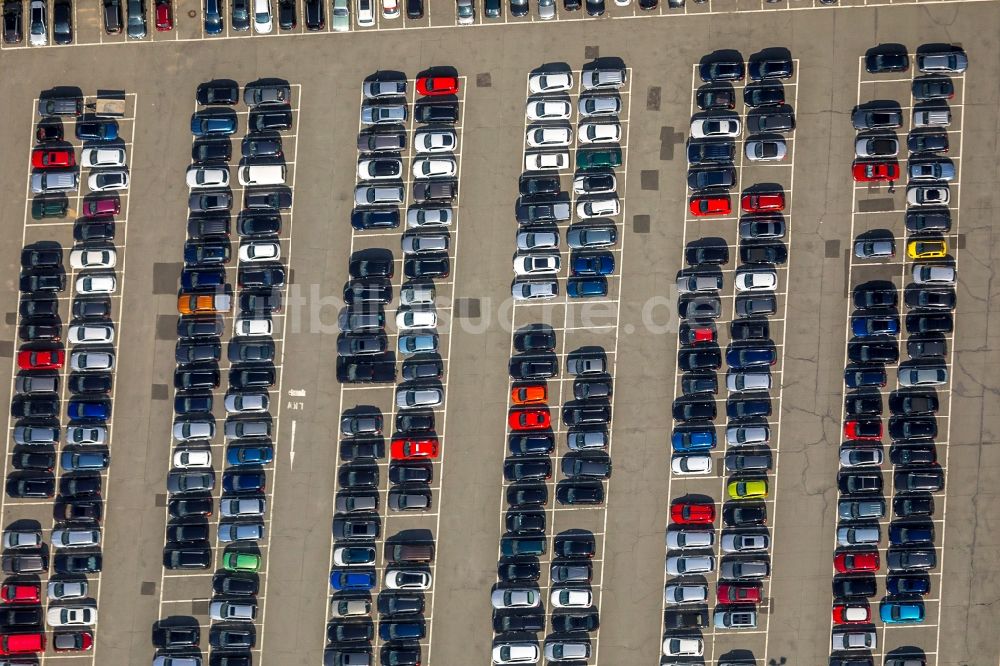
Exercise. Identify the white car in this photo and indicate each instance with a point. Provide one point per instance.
(198, 177)
(571, 597)
(599, 105)
(239, 611)
(91, 334)
(551, 82)
(93, 258)
(71, 616)
(428, 217)
(96, 284)
(515, 653)
(534, 290)
(434, 167)
(757, 280)
(60, 590)
(263, 24)
(398, 579)
(685, 594)
(933, 275)
(928, 195)
(690, 465)
(38, 27)
(683, 647)
(390, 9)
(549, 137)
(342, 557)
(709, 128)
(255, 251)
(546, 161)
(685, 565)
(254, 327)
(106, 181)
(249, 402)
(410, 319)
(382, 168)
(604, 183)
(436, 141)
(597, 208)
(515, 597)
(548, 109)
(83, 361)
(102, 157)
(192, 458)
(546, 263)
(600, 133)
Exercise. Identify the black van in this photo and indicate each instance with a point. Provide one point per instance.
(414, 9)
(492, 8)
(112, 16)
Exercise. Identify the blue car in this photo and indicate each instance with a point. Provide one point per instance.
(689, 441)
(352, 581)
(217, 123)
(901, 612)
(211, 278)
(739, 358)
(75, 461)
(912, 534)
(84, 410)
(401, 631)
(97, 130)
(249, 454)
(867, 327)
(593, 264)
(213, 17)
(244, 482)
(587, 287)
(206, 252)
(900, 585)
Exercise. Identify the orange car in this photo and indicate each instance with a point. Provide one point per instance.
(529, 394)
(203, 303)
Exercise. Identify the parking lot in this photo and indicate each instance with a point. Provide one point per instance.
(635, 325)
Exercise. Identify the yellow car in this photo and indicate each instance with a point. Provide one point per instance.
(926, 249)
(748, 490)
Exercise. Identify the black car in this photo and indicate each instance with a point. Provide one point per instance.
(91, 308)
(261, 224)
(914, 403)
(699, 384)
(96, 382)
(315, 15)
(379, 371)
(518, 623)
(921, 347)
(187, 352)
(722, 70)
(527, 495)
(778, 118)
(856, 483)
(13, 22)
(401, 656)
(190, 507)
(417, 369)
(715, 98)
(262, 276)
(375, 141)
(260, 303)
(201, 377)
(748, 408)
(750, 329)
(845, 587)
(204, 152)
(40, 306)
(927, 142)
(907, 506)
(686, 619)
(930, 298)
(237, 585)
(186, 532)
(62, 22)
(416, 421)
(574, 547)
(77, 564)
(286, 14)
(928, 221)
(531, 444)
(763, 253)
(744, 514)
(270, 118)
(892, 61)
(223, 637)
(41, 257)
(218, 92)
(33, 330)
(371, 267)
(873, 352)
(35, 407)
(258, 146)
(690, 410)
(403, 474)
(199, 327)
(532, 185)
(518, 571)
(712, 254)
(699, 359)
(80, 485)
(871, 295)
(260, 376)
(586, 413)
(358, 476)
(21, 617)
(763, 95)
(43, 280)
(375, 218)
(770, 68)
(207, 252)
(176, 636)
(912, 428)
(535, 340)
(523, 522)
(533, 367)
(919, 323)
(33, 461)
(595, 7)
(436, 112)
(573, 622)
(579, 493)
(701, 179)
(863, 404)
(361, 449)
(431, 266)
(255, 199)
(528, 469)
(400, 604)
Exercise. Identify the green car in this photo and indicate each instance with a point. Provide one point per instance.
(603, 158)
(42, 208)
(241, 561)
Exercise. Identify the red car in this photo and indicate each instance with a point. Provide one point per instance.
(701, 334)
(48, 158)
(21, 593)
(529, 419)
(852, 612)
(72, 641)
(164, 16)
(437, 85)
(863, 430)
(865, 172)
(529, 394)
(856, 562)
(762, 202)
(692, 514)
(413, 449)
(40, 359)
(705, 206)
(737, 593)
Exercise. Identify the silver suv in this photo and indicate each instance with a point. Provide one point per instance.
(378, 195)
(383, 114)
(603, 78)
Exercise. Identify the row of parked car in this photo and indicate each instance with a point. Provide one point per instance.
(414, 445)
(875, 327)
(205, 295)
(691, 538)
(543, 205)
(134, 23)
(76, 535)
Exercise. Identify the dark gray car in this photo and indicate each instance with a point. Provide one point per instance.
(136, 20)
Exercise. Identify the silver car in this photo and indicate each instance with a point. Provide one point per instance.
(933, 274)
(579, 237)
(424, 243)
(383, 114)
(927, 375)
(185, 431)
(246, 428)
(685, 594)
(88, 434)
(416, 294)
(744, 543)
(35, 435)
(861, 535)
(748, 381)
(412, 398)
(526, 290)
(229, 532)
(599, 105)
(241, 507)
(766, 150)
(249, 402)
(882, 248)
(586, 440)
(60, 590)
(685, 565)
(428, 217)
(537, 240)
(747, 435)
(378, 195)
(238, 611)
(377, 89)
(186, 481)
(82, 361)
(689, 539)
(744, 569)
(854, 640)
(75, 537)
(22, 539)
